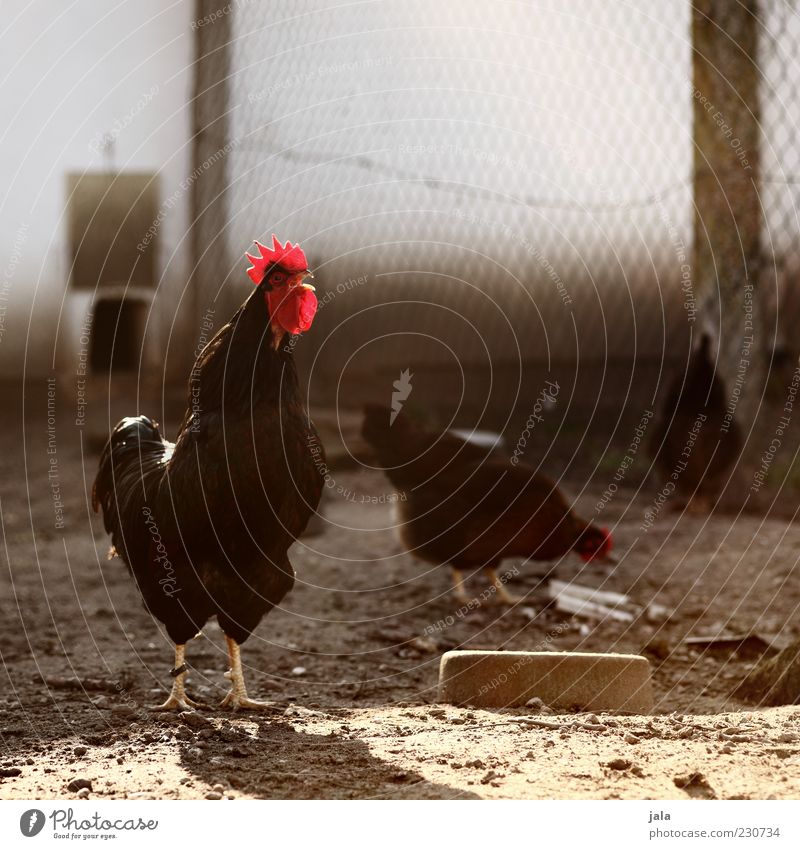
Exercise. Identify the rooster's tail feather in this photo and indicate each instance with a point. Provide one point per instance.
(134, 438)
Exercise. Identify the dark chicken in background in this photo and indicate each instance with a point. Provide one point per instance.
(204, 525)
(466, 507)
(694, 442)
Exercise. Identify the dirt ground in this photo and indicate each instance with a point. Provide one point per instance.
(349, 664)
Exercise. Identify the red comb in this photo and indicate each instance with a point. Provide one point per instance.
(288, 256)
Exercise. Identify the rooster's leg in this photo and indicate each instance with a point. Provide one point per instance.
(458, 586)
(237, 698)
(178, 700)
(499, 585)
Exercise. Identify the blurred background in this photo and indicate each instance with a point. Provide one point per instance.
(492, 194)
(522, 215)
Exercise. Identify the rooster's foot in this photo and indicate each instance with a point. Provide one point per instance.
(502, 595)
(177, 703)
(177, 699)
(509, 599)
(236, 701)
(458, 587)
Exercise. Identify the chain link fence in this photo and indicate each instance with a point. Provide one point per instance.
(492, 193)
(780, 157)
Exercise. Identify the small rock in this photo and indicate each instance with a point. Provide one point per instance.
(83, 793)
(79, 751)
(237, 752)
(620, 764)
(213, 796)
(123, 711)
(786, 737)
(194, 719)
(592, 719)
(424, 645)
(299, 670)
(300, 712)
(79, 784)
(657, 613)
(658, 648)
(631, 738)
(10, 771)
(218, 788)
(535, 704)
(695, 784)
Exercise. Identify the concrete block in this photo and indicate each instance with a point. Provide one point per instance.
(567, 680)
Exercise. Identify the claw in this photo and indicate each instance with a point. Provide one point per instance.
(237, 699)
(502, 594)
(177, 699)
(174, 702)
(234, 701)
(509, 599)
(458, 586)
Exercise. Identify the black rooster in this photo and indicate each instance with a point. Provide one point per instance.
(204, 525)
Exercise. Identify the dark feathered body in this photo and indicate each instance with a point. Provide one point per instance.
(463, 506)
(693, 443)
(205, 524)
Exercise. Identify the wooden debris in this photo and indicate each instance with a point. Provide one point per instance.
(591, 603)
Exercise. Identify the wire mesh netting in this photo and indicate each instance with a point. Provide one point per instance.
(780, 158)
(475, 182)
(520, 215)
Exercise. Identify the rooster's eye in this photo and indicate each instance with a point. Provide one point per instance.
(277, 278)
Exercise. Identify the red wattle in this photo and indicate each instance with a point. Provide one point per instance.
(292, 308)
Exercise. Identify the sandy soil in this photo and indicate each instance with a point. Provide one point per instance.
(349, 664)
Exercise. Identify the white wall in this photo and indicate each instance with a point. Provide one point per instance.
(70, 72)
